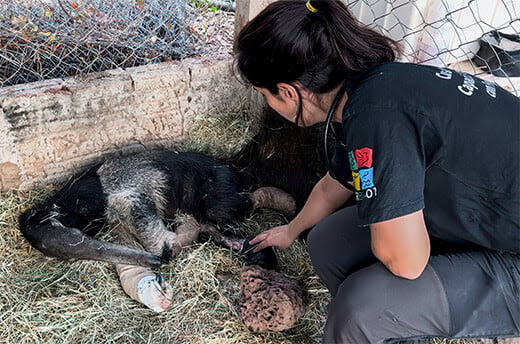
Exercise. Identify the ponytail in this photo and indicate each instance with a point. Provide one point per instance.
(287, 42)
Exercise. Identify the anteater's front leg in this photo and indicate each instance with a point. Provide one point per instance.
(265, 258)
(138, 215)
(149, 288)
(145, 286)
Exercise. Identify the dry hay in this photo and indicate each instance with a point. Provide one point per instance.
(82, 302)
(221, 135)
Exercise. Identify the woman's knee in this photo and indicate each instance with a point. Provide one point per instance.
(316, 244)
(337, 246)
(325, 259)
(373, 305)
(353, 310)
(328, 239)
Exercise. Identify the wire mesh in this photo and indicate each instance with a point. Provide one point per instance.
(481, 37)
(43, 39)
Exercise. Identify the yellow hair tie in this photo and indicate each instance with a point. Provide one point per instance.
(310, 7)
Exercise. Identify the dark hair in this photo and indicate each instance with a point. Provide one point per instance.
(288, 43)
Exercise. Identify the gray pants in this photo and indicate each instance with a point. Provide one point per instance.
(470, 294)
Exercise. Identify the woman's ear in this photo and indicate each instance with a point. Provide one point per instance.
(287, 91)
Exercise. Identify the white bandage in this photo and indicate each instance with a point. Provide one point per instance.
(145, 287)
(152, 295)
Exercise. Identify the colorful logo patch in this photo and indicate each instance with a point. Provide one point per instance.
(360, 161)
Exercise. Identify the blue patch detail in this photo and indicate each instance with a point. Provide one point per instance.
(367, 178)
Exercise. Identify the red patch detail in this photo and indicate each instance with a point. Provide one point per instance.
(364, 157)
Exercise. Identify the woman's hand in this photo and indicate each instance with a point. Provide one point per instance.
(280, 237)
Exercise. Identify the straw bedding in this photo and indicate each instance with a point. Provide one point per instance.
(48, 301)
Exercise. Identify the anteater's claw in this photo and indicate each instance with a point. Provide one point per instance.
(153, 261)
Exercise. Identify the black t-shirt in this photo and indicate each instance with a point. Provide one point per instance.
(420, 137)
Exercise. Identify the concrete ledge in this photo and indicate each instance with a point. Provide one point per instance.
(49, 129)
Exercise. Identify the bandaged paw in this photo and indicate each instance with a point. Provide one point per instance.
(145, 287)
(154, 293)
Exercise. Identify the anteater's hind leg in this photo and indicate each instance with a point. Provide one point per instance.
(271, 197)
(149, 288)
(225, 201)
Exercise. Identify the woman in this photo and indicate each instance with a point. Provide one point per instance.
(428, 153)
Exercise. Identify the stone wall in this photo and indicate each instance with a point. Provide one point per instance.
(51, 128)
(246, 10)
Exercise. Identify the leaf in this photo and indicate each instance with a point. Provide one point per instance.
(48, 13)
(140, 4)
(74, 5)
(19, 20)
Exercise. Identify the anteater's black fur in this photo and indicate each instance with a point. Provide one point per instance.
(285, 156)
(136, 192)
(140, 191)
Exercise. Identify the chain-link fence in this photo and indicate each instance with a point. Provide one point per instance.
(481, 37)
(43, 39)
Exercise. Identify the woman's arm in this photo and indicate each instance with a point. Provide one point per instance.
(326, 197)
(402, 244)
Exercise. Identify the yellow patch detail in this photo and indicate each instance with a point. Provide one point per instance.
(357, 181)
